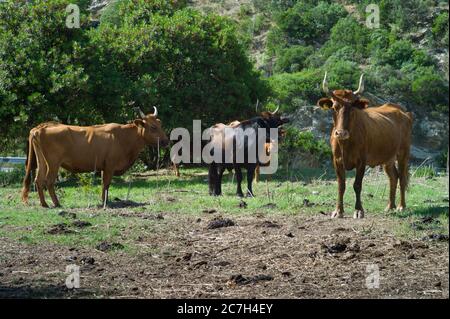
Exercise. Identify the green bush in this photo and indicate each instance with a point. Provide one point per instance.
(429, 89)
(398, 54)
(348, 33)
(293, 59)
(402, 13)
(304, 142)
(425, 172)
(310, 21)
(442, 159)
(440, 29)
(13, 177)
(291, 87)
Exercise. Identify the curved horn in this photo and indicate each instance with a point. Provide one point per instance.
(361, 86)
(138, 110)
(257, 105)
(275, 112)
(325, 84)
(155, 113)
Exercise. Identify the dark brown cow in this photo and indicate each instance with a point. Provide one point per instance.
(362, 136)
(110, 148)
(266, 121)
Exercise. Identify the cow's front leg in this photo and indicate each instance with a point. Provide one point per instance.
(340, 173)
(212, 179)
(221, 170)
(106, 178)
(250, 175)
(238, 171)
(357, 186)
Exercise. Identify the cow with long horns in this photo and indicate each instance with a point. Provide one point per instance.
(367, 136)
(239, 137)
(109, 148)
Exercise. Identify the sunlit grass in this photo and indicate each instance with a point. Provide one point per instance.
(302, 193)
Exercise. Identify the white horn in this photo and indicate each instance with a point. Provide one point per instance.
(155, 113)
(361, 86)
(325, 84)
(257, 105)
(275, 112)
(141, 114)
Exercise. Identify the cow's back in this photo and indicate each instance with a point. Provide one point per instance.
(387, 132)
(78, 148)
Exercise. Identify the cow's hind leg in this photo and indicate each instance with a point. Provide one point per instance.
(51, 178)
(212, 176)
(238, 171)
(40, 185)
(250, 174)
(41, 176)
(392, 173)
(403, 172)
(220, 171)
(357, 186)
(106, 177)
(214, 180)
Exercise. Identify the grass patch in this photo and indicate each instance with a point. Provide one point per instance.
(300, 193)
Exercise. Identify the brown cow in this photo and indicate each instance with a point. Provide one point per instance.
(110, 148)
(373, 136)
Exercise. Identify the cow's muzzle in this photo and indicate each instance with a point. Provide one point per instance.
(164, 142)
(341, 135)
(285, 119)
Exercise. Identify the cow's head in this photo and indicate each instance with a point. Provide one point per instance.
(151, 128)
(344, 104)
(273, 119)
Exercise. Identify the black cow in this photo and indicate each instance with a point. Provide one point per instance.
(237, 141)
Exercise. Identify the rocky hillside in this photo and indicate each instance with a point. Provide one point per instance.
(259, 24)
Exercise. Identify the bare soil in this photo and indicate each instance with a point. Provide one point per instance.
(257, 257)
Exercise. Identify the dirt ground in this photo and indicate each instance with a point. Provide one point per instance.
(257, 257)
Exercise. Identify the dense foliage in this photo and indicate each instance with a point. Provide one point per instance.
(196, 65)
(144, 53)
(310, 37)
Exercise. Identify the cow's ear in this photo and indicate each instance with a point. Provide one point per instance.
(361, 104)
(139, 123)
(325, 103)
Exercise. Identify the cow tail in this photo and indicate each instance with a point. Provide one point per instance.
(30, 169)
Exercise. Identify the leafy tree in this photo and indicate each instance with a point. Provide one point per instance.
(42, 76)
(151, 52)
(191, 66)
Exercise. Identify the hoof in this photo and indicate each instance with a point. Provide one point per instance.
(359, 214)
(240, 195)
(337, 214)
(250, 195)
(389, 209)
(401, 209)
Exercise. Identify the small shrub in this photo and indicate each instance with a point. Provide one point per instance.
(425, 172)
(297, 141)
(13, 177)
(442, 159)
